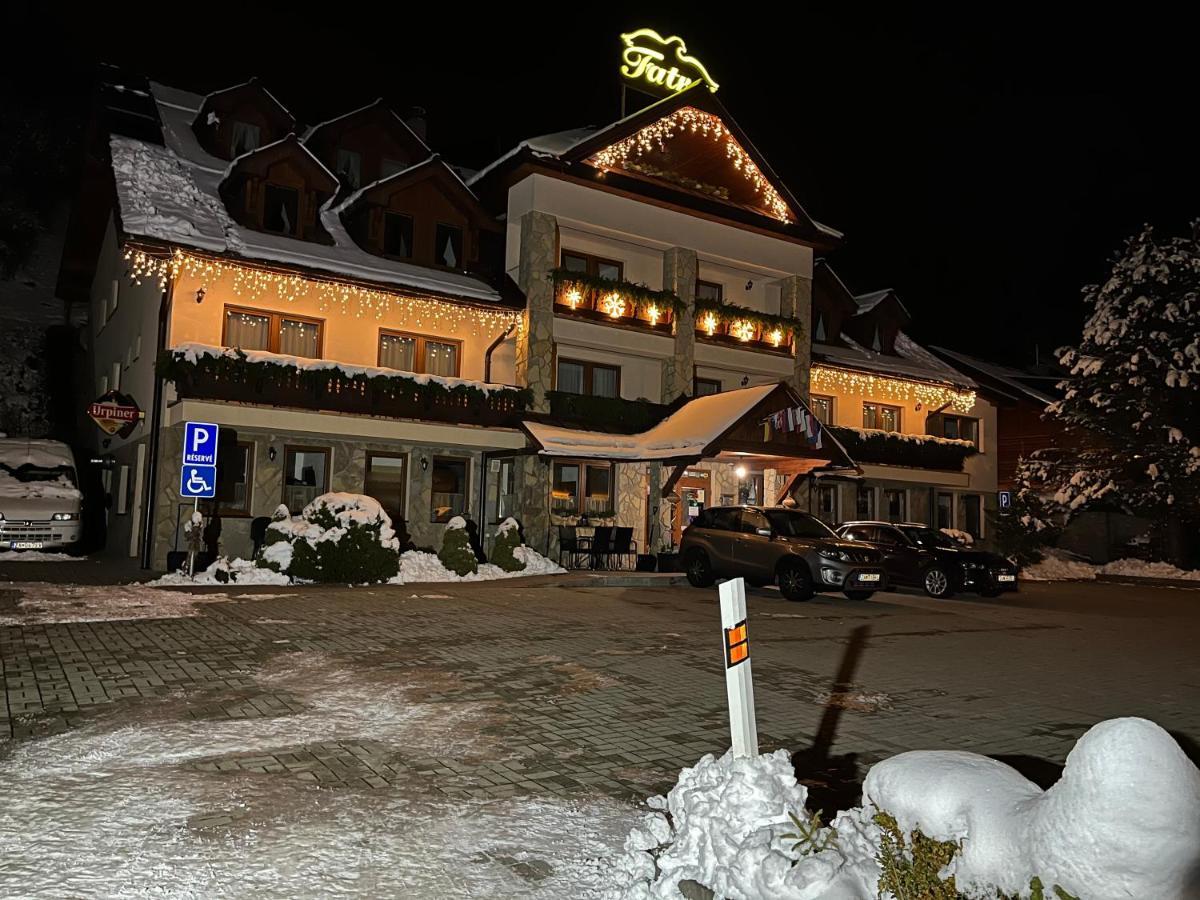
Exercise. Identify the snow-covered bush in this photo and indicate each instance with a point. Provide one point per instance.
(338, 538)
(508, 539)
(456, 553)
(1123, 821)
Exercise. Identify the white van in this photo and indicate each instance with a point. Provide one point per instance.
(40, 500)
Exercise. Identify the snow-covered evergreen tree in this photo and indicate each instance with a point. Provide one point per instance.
(1133, 392)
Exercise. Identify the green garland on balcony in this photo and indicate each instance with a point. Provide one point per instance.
(234, 365)
(638, 295)
(728, 313)
(917, 451)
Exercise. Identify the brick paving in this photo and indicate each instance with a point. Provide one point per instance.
(578, 690)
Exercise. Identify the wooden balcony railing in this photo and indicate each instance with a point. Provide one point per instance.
(919, 451)
(272, 380)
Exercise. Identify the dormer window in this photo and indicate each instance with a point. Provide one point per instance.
(819, 328)
(448, 246)
(281, 209)
(349, 167)
(246, 137)
(397, 235)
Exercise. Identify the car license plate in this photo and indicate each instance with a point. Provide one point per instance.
(868, 576)
(1006, 577)
(27, 545)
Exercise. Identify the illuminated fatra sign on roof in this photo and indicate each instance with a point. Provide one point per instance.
(662, 62)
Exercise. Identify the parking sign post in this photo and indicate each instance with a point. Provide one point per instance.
(198, 475)
(739, 682)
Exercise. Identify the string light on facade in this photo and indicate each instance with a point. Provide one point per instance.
(825, 379)
(688, 119)
(250, 283)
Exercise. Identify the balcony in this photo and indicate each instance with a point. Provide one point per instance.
(917, 451)
(613, 302)
(200, 372)
(612, 414)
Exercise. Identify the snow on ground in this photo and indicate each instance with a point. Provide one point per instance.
(10, 556)
(416, 566)
(114, 808)
(1058, 566)
(1123, 821)
(233, 571)
(44, 603)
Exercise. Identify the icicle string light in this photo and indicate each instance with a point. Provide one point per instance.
(249, 283)
(655, 136)
(825, 379)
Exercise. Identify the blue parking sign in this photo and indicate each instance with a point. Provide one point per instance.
(1005, 499)
(200, 444)
(198, 481)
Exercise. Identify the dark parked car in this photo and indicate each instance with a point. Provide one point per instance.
(921, 556)
(797, 550)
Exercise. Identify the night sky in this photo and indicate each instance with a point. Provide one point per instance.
(985, 170)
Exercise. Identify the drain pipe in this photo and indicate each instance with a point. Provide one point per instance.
(164, 309)
(487, 354)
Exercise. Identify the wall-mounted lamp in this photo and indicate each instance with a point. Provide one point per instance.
(740, 472)
(424, 463)
(200, 292)
(749, 284)
(271, 454)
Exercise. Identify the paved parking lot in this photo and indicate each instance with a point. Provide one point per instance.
(535, 689)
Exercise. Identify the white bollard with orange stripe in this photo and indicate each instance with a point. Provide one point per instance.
(739, 682)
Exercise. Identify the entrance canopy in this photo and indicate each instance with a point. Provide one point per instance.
(704, 427)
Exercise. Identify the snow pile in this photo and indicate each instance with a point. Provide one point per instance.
(726, 825)
(225, 571)
(1123, 821)
(1058, 566)
(417, 566)
(963, 537)
(37, 556)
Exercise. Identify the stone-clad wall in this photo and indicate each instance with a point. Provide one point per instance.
(795, 301)
(535, 340)
(679, 275)
(347, 461)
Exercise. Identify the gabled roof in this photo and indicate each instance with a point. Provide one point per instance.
(283, 146)
(693, 431)
(572, 152)
(253, 84)
(911, 361)
(433, 163)
(1006, 377)
(375, 107)
(867, 302)
(822, 270)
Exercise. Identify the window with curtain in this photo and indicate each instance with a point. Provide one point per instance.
(398, 235)
(241, 462)
(349, 167)
(598, 496)
(281, 209)
(605, 381)
(865, 502)
(822, 408)
(398, 351)
(246, 137)
(441, 358)
(709, 290)
(449, 496)
(884, 418)
(570, 376)
(305, 476)
(588, 264)
(895, 502)
(564, 490)
(706, 386)
(577, 376)
(582, 489)
(247, 331)
(448, 246)
(386, 479)
(297, 338)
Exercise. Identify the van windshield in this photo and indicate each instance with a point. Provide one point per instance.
(795, 524)
(29, 473)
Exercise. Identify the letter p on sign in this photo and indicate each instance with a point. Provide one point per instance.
(200, 443)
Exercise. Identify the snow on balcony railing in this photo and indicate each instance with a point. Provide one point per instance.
(870, 445)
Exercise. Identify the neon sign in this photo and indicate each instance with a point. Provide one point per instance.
(662, 62)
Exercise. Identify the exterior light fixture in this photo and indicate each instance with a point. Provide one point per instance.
(271, 454)
(740, 472)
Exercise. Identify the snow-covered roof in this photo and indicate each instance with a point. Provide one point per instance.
(291, 138)
(867, 302)
(17, 452)
(911, 361)
(1003, 374)
(379, 101)
(253, 82)
(171, 194)
(685, 434)
(433, 158)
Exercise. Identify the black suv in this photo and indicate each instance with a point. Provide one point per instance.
(921, 556)
(795, 549)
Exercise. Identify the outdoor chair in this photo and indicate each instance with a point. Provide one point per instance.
(571, 547)
(624, 548)
(602, 547)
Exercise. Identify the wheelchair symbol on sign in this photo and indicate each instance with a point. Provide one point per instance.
(196, 483)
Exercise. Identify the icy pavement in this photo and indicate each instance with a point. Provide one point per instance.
(43, 603)
(118, 808)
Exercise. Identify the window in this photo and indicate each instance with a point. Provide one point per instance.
(246, 137)
(390, 167)
(895, 504)
(859, 533)
(417, 353)
(449, 496)
(581, 377)
(706, 386)
(582, 489)
(709, 290)
(827, 503)
(750, 488)
(349, 167)
(884, 418)
(961, 428)
(281, 209)
(822, 408)
(305, 476)
(891, 536)
(865, 502)
(790, 523)
(254, 329)
(945, 511)
(972, 520)
(596, 266)
(448, 246)
(752, 520)
(237, 471)
(397, 235)
(385, 479)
